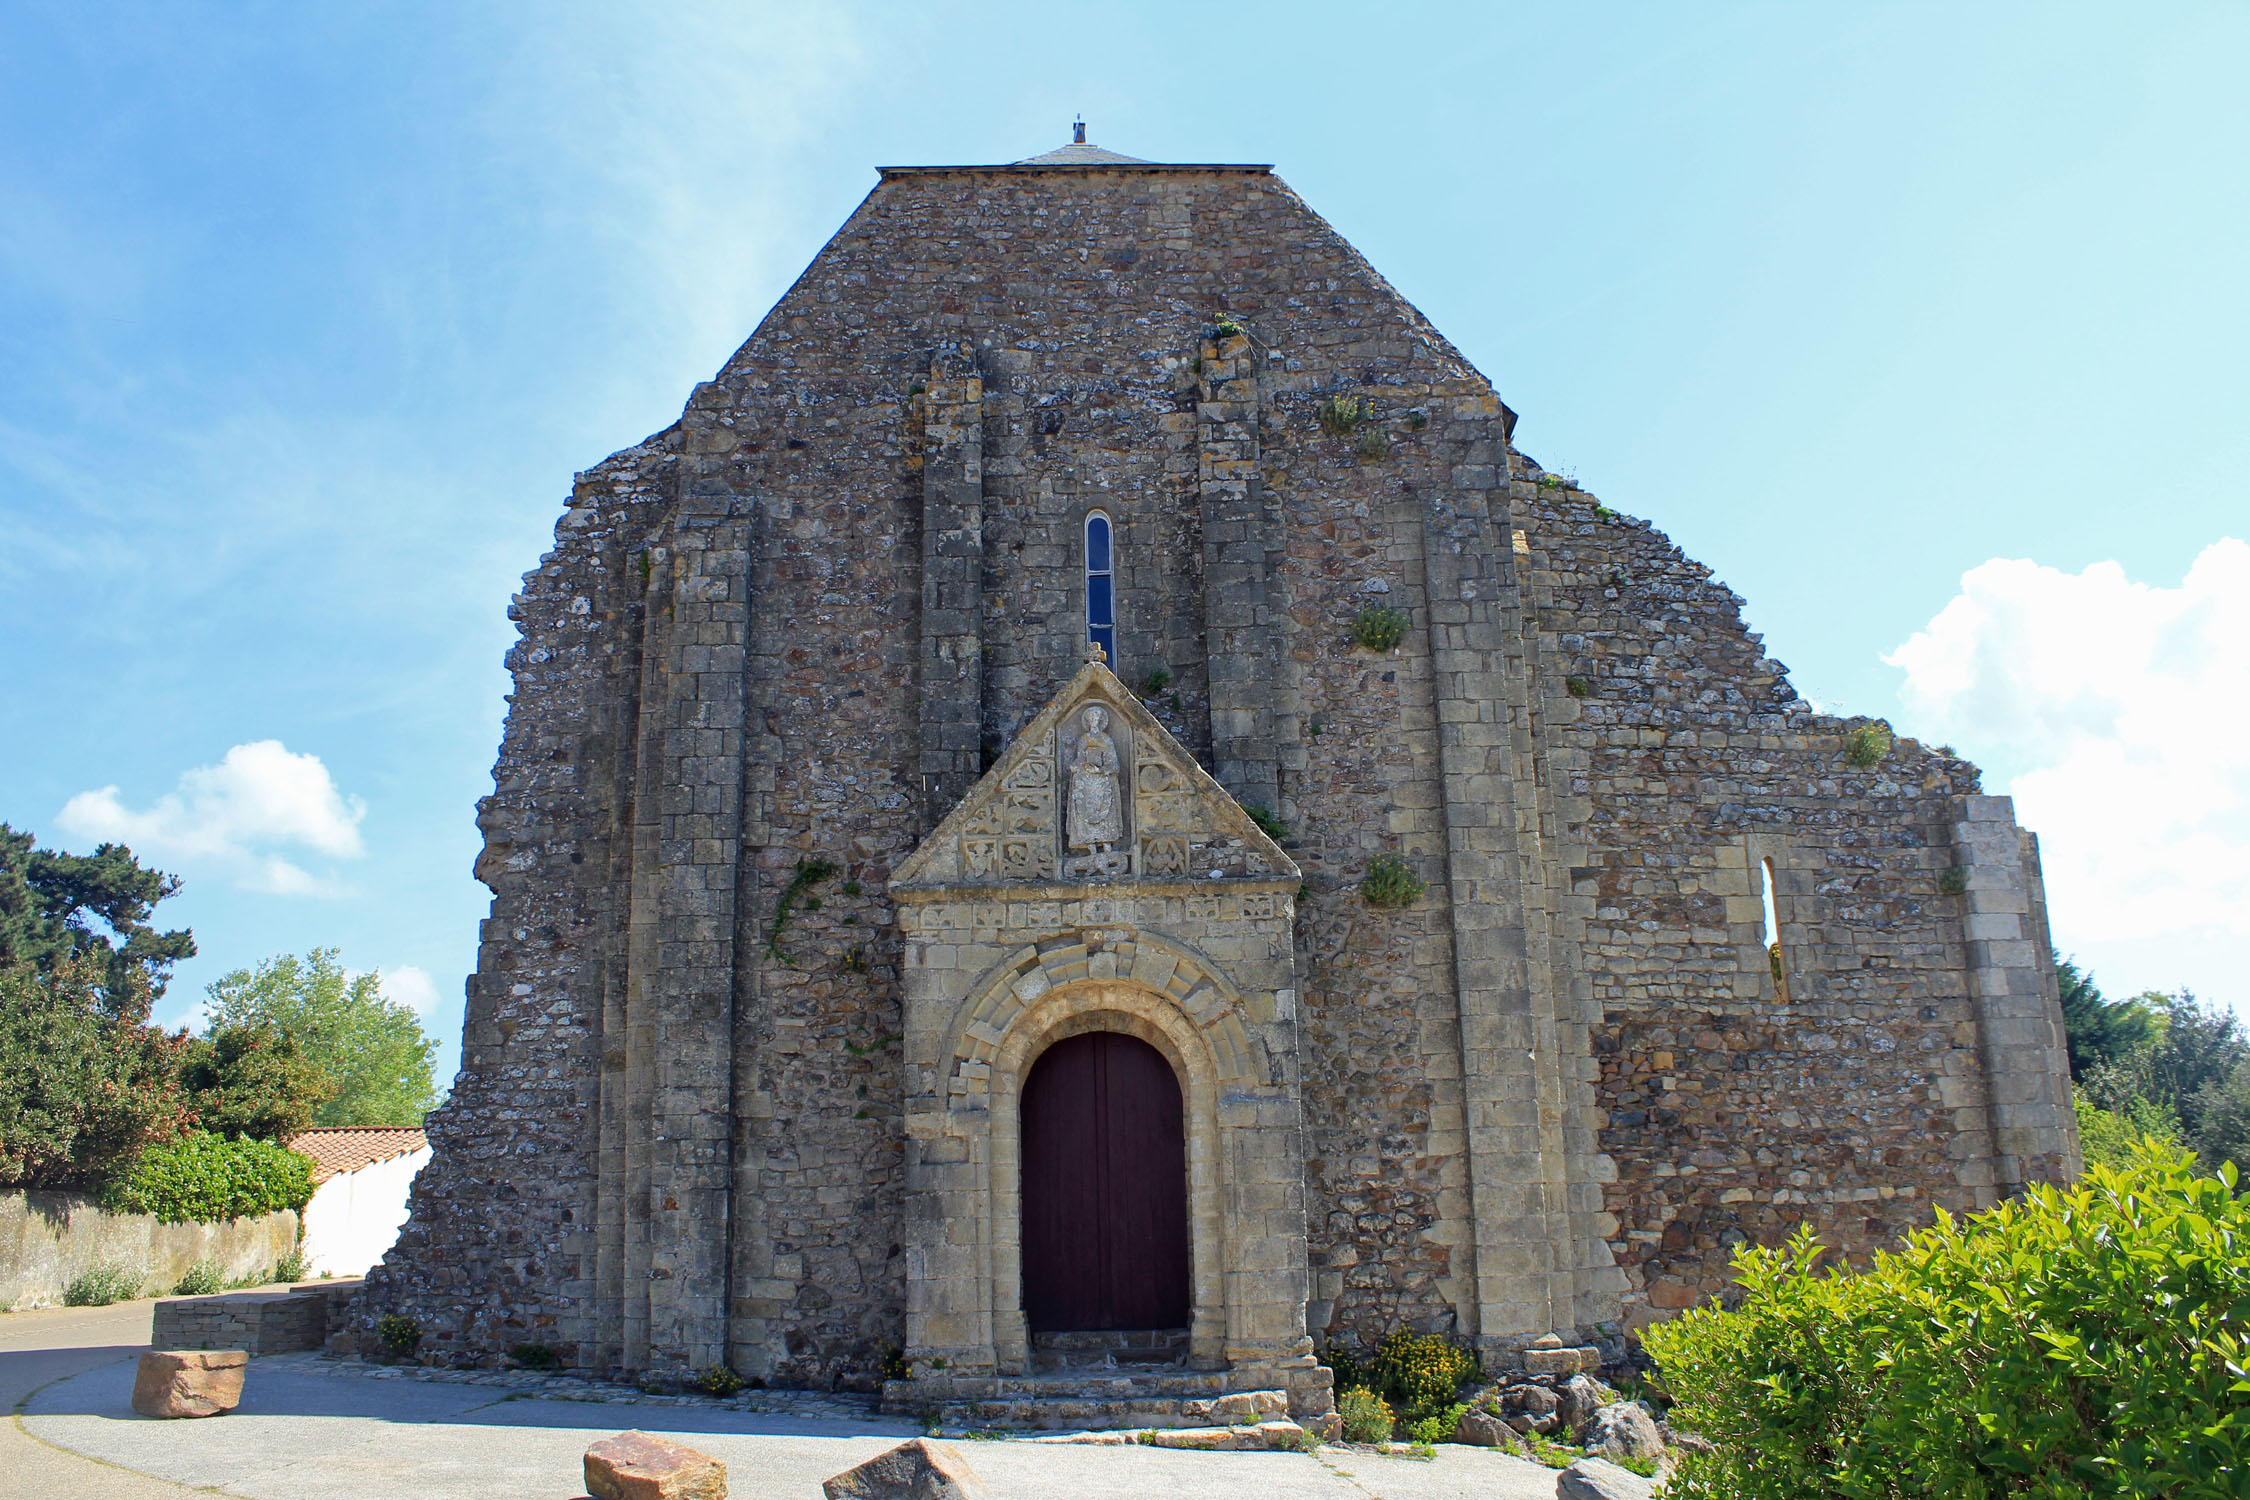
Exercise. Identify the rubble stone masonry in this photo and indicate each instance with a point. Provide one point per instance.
(800, 625)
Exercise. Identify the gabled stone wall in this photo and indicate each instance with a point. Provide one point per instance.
(795, 627)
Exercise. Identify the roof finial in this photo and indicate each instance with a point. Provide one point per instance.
(1095, 653)
(1078, 131)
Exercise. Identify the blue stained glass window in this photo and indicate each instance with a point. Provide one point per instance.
(1101, 585)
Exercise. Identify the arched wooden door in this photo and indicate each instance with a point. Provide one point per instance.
(1105, 1237)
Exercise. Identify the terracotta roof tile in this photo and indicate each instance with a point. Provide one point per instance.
(347, 1148)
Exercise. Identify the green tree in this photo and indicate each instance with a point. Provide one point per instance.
(2099, 1030)
(253, 1082)
(2112, 1137)
(372, 1049)
(50, 905)
(81, 1090)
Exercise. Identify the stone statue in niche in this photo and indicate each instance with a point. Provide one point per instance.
(1095, 805)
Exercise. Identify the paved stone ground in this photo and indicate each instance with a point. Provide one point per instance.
(310, 1428)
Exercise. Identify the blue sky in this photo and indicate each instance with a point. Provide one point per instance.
(1924, 325)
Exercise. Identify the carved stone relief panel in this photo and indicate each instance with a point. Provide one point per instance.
(1013, 836)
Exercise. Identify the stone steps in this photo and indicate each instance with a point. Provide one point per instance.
(1081, 1400)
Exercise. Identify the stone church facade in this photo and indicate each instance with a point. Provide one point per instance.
(1038, 632)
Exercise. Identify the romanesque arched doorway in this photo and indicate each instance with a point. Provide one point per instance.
(1105, 1220)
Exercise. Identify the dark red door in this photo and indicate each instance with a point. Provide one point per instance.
(1104, 1188)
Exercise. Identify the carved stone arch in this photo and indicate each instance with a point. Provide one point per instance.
(1160, 966)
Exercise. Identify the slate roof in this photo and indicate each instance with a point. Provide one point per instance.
(346, 1148)
(1079, 156)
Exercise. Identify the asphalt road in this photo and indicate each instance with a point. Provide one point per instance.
(306, 1431)
(39, 1348)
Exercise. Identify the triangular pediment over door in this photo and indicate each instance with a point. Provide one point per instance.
(1094, 790)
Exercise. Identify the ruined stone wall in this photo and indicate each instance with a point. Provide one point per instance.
(499, 1248)
(1851, 1092)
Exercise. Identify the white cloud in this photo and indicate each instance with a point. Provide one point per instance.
(409, 986)
(2123, 711)
(237, 817)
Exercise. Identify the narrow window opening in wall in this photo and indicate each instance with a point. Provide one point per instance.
(1101, 587)
(1773, 932)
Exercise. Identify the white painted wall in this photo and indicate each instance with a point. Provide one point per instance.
(354, 1216)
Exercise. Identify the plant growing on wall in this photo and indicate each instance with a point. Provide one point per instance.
(1865, 747)
(1391, 882)
(810, 871)
(1340, 415)
(398, 1334)
(1268, 824)
(1378, 627)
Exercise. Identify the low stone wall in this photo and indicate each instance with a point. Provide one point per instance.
(47, 1240)
(261, 1322)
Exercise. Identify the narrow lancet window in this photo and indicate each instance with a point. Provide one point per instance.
(1773, 933)
(1101, 587)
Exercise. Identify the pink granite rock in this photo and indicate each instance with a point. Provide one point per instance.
(916, 1470)
(640, 1466)
(189, 1382)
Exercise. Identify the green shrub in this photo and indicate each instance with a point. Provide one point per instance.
(291, 1266)
(399, 1334)
(1438, 1427)
(535, 1356)
(1378, 627)
(2078, 1341)
(719, 1381)
(201, 1177)
(1367, 1416)
(1421, 1373)
(1576, 687)
(99, 1286)
(202, 1279)
(1391, 882)
(1865, 747)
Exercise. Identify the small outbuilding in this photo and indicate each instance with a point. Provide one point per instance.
(360, 1177)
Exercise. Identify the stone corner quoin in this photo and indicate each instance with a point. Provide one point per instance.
(735, 1090)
